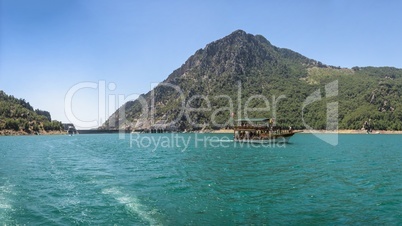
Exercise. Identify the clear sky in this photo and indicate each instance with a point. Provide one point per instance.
(50, 47)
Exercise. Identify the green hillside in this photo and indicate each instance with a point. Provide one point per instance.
(18, 117)
(243, 71)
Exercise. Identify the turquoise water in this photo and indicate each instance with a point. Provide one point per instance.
(199, 179)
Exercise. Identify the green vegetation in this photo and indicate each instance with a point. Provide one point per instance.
(209, 80)
(367, 93)
(19, 116)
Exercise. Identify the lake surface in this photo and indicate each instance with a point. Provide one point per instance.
(199, 179)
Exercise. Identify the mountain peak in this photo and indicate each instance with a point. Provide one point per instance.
(238, 53)
(237, 36)
(238, 32)
(237, 57)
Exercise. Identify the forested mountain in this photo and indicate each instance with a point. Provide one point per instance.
(245, 76)
(17, 116)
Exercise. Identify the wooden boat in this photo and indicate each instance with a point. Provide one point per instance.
(262, 131)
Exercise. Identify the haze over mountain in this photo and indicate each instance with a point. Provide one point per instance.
(244, 76)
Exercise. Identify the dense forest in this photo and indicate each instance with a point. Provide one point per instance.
(17, 116)
(364, 94)
(210, 81)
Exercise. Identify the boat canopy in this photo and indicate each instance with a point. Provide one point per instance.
(253, 120)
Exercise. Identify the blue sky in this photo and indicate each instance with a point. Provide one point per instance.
(49, 46)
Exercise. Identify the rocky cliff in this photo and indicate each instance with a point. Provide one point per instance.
(244, 76)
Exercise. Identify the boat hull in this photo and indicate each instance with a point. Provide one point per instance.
(282, 138)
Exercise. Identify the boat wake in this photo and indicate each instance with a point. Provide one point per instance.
(133, 205)
(5, 206)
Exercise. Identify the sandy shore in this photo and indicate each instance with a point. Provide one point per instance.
(223, 131)
(342, 131)
(346, 131)
(226, 131)
(23, 133)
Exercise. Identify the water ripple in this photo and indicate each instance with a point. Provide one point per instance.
(101, 180)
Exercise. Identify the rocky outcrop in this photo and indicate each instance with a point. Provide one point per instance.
(240, 69)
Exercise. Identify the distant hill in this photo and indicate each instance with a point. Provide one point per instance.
(17, 116)
(243, 71)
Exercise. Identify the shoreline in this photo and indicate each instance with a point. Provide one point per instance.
(22, 133)
(347, 131)
(341, 131)
(221, 131)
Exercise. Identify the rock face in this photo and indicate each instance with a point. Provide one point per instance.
(240, 75)
(234, 55)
